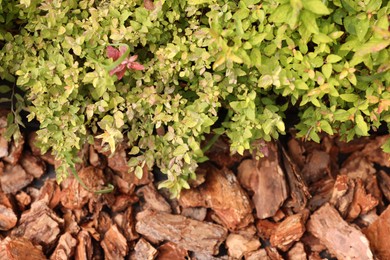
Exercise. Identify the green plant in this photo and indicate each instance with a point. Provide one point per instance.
(254, 59)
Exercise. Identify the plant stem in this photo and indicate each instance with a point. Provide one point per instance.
(216, 136)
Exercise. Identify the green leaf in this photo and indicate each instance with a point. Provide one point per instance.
(314, 136)
(362, 128)
(315, 6)
(180, 150)
(138, 172)
(349, 97)
(333, 58)
(326, 127)
(327, 70)
(309, 21)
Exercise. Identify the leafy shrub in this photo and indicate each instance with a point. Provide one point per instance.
(199, 60)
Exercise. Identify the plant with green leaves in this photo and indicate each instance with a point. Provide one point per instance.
(197, 60)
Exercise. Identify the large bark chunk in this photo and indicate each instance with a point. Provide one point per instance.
(289, 231)
(143, 250)
(186, 233)
(65, 248)
(153, 199)
(299, 191)
(222, 193)
(171, 251)
(343, 240)
(84, 248)
(40, 224)
(378, 233)
(8, 218)
(19, 249)
(266, 179)
(114, 244)
(14, 179)
(239, 245)
(33, 165)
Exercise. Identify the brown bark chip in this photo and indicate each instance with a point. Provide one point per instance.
(239, 245)
(187, 233)
(20, 249)
(33, 165)
(143, 250)
(15, 151)
(266, 179)
(65, 248)
(14, 179)
(289, 231)
(40, 225)
(378, 233)
(223, 194)
(84, 248)
(343, 240)
(153, 199)
(170, 251)
(8, 219)
(297, 252)
(114, 244)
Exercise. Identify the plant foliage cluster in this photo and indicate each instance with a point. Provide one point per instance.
(329, 60)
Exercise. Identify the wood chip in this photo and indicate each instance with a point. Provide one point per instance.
(40, 225)
(266, 179)
(257, 255)
(143, 250)
(32, 164)
(239, 245)
(299, 191)
(378, 233)
(8, 218)
(198, 213)
(20, 249)
(114, 244)
(23, 200)
(126, 222)
(343, 240)
(84, 248)
(153, 199)
(170, 251)
(266, 228)
(15, 151)
(289, 231)
(222, 193)
(14, 178)
(297, 252)
(362, 202)
(65, 248)
(50, 192)
(186, 233)
(317, 166)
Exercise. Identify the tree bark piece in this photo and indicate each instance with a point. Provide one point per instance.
(84, 248)
(186, 233)
(127, 223)
(15, 151)
(289, 231)
(8, 218)
(153, 199)
(114, 244)
(198, 213)
(33, 165)
(345, 241)
(171, 251)
(222, 193)
(3, 144)
(257, 255)
(378, 233)
(266, 228)
(23, 200)
(299, 191)
(143, 250)
(14, 178)
(317, 166)
(297, 252)
(40, 225)
(239, 245)
(65, 248)
(266, 179)
(20, 249)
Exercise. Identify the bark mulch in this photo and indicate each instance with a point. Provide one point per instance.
(301, 201)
